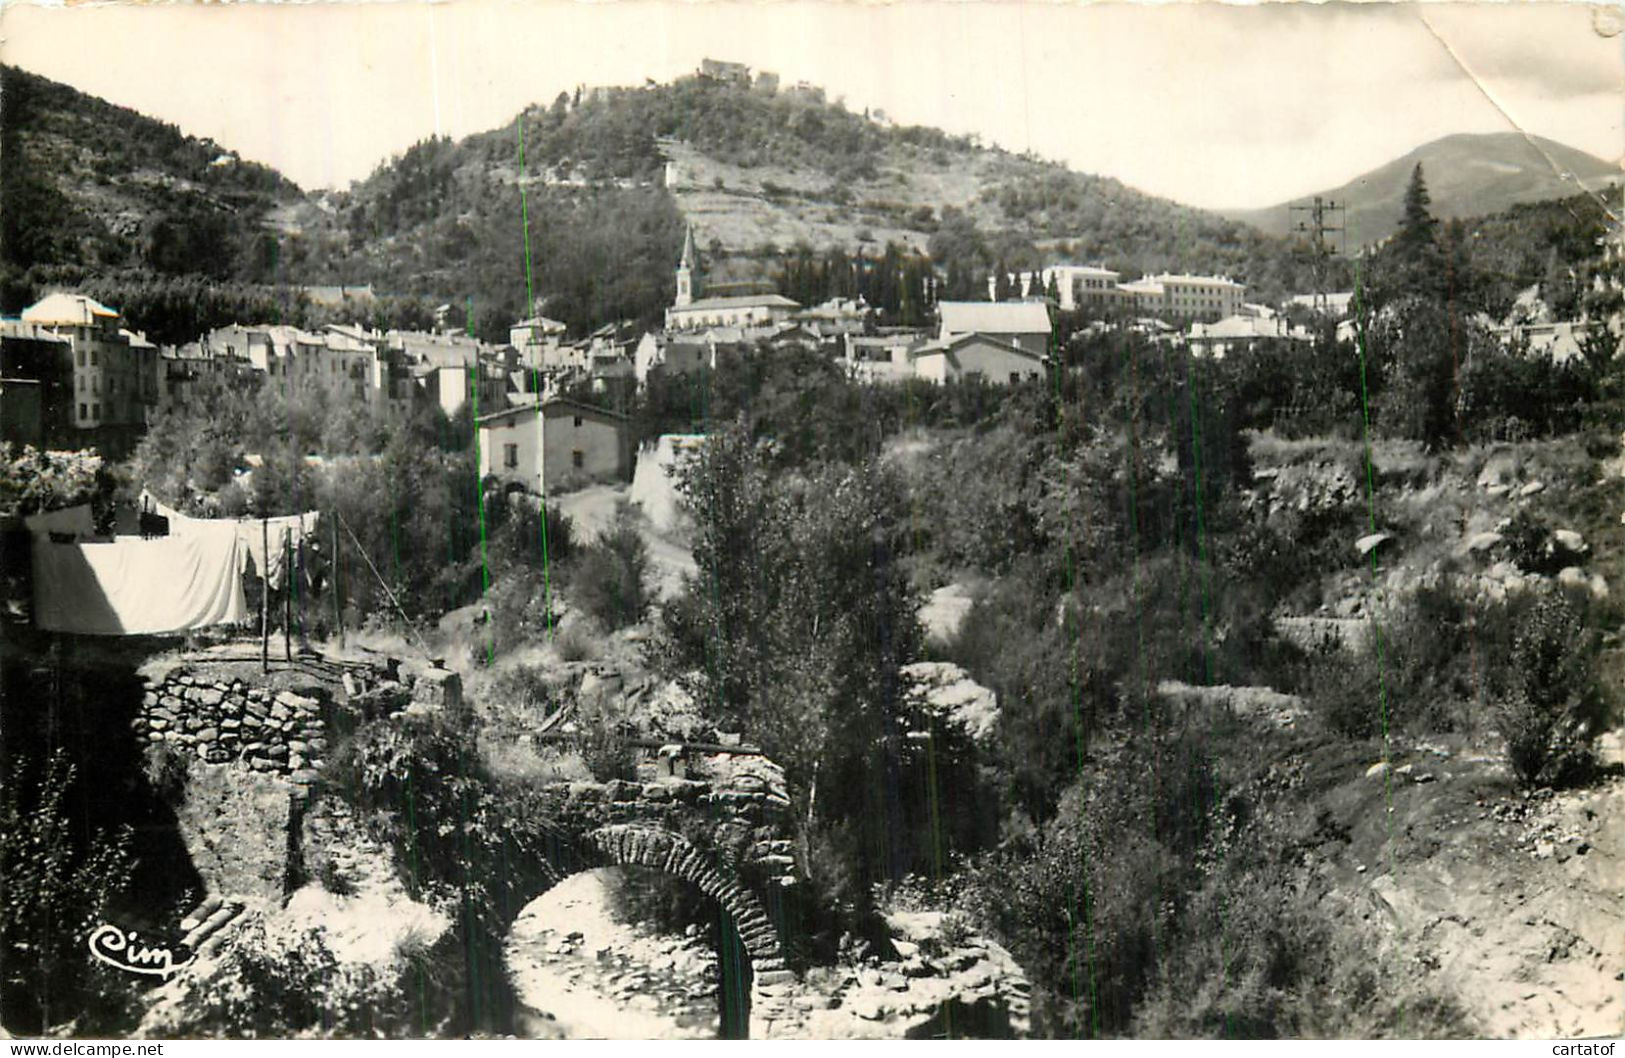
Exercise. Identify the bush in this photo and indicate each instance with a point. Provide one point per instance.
(165, 769)
(525, 690)
(1255, 958)
(1554, 704)
(609, 578)
(60, 878)
(291, 985)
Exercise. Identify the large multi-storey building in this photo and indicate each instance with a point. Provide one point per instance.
(1077, 286)
(111, 373)
(1185, 297)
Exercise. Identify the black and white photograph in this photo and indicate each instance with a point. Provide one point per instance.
(811, 520)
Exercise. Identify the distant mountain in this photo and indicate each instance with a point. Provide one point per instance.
(87, 187)
(1468, 175)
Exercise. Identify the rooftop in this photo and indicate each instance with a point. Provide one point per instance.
(740, 302)
(1185, 277)
(550, 404)
(990, 317)
(959, 341)
(71, 310)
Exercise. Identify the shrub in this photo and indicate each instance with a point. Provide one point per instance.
(1554, 704)
(1255, 958)
(60, 877)
(165, 769)
(285, 984)
(609, 578)
(524, 689)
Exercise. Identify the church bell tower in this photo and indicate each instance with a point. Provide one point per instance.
(685, 271)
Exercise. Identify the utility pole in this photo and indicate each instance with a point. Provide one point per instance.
(1314, 221)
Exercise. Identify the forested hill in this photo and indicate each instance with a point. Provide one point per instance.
(88, 187)
(758, 172)
(177, 231)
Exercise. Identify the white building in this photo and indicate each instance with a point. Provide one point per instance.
(982, 356)
(555, 445)
(1021, 323)
(1078, 286)
(114, 371)
(1234, 333)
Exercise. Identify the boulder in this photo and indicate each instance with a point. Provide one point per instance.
(1569, 542)
(438, 688)
(1379, 770)
(1482, 542)
(1370, 542)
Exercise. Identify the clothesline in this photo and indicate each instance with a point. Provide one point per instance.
(192, 578)
(266, 540)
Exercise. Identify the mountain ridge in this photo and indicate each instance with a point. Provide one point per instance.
(610, 178)
(1468, 175)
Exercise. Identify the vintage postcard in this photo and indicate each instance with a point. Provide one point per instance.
(924, 520)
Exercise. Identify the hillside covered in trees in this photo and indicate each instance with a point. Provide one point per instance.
(580, 206)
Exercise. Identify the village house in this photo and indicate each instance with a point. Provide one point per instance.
(1236, 333)
(671, 355)
(451, 386)
(536, 340)
(1025, 324)
(352, 364)
(554, 446)
(181, 369)
(836, 318)
(981, 356)
(114, 371)
(1561, 340)
(1335, 304)
(32, 353)
(879, 358)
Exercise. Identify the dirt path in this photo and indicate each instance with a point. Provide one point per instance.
(581, 974)
(593, 511)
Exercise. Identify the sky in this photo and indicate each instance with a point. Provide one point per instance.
(1214, 105)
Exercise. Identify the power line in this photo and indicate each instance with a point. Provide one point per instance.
(1315, 221)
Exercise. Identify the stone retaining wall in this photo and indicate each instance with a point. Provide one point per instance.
(224, 722)
(226, 719)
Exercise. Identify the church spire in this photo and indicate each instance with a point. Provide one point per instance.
(688, 249)
(685, 270)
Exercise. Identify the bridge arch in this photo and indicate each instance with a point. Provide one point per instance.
(657, 848)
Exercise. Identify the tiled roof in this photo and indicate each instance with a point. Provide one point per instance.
(990, 317)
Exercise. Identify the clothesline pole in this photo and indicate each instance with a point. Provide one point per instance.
(287, 598)
(265, 598)
(338, 612)
(383, 584)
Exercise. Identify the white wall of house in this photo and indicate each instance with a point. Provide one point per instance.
(511, 451)
(992, 362)
(582, 448)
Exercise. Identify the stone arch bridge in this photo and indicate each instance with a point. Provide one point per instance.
(722, 827)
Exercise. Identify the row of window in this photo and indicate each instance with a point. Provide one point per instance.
(510, 457)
